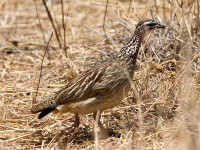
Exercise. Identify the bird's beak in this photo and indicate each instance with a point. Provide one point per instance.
(160, 26)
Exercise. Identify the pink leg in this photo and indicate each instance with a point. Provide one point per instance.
(103, 134)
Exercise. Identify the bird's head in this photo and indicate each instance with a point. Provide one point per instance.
(146, 26)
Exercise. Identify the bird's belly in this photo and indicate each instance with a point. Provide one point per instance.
(92, 104)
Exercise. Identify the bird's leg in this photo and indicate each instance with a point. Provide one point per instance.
(77, 121)
(71, 130)
(75, 125)
(103, 134)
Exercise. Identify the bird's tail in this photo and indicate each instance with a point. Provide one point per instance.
(44, 107)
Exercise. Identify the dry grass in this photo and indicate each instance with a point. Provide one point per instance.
(167, 79)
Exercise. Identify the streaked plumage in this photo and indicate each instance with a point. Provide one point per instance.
(102, 87)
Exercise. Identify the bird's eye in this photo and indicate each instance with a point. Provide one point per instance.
(151, 24)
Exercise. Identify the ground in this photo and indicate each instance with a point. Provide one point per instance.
(162, 114)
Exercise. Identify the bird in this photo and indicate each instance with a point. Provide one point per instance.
(101, 87)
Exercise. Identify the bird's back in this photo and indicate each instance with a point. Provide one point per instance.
(101, 87)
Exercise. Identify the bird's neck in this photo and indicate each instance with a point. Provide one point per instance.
(132, 47)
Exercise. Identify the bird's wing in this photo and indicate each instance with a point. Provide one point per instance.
(98, 82)
(81, 87)
(114, 77)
